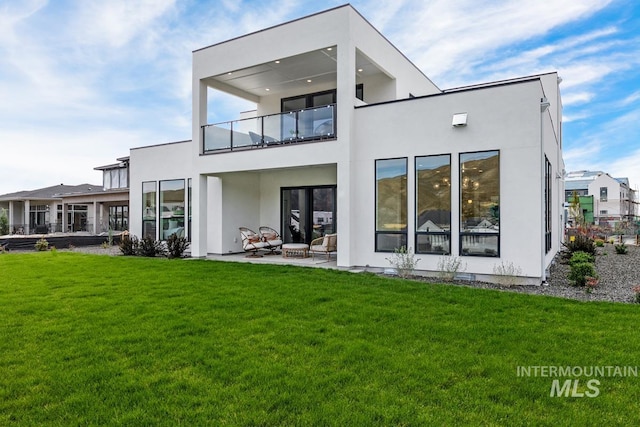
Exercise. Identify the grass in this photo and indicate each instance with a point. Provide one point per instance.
(98, 340)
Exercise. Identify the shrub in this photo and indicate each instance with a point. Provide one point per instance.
(176, 246)
(150, 248)
(590, 283)
(4, 222)
(507, 273)
(129, 245)
(581, 243)
(404, 261)
(636, 290)
(580, 271)
(449, 266)
(42, 245)
(599, 242)
(580, 256)
(621, 248)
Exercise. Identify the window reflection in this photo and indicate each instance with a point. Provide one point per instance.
(391, 204)
(149, 210)
(480, 203)
(172, 203)
(433, 204)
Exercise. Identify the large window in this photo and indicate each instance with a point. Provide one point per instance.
(547, 204)
(604, 194)
(391, 204)
(189, 208)
(172, 203)
(115, 178)
(433, 204)
(480, 203)
(149, 210)
(119, 217)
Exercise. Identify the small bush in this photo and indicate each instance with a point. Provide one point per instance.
(4, 222)
(636, 290)
(150, 248)
(581, 243)
(507, 273)
(591, 283)
(449, 266)
(621, 249)
(129, 245)
(580, 271)
(580, 256)
(176, 246)
(404, 261)
(42, 245)
(599, 243)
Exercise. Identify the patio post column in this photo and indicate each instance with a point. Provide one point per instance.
(199, 218)
(65, 225)
(96, 216)
(27, 210)
(11, 222)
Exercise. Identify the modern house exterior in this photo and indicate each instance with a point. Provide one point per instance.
(72, 208)
(349, 136)
(614, 201)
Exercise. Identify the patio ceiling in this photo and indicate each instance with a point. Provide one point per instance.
(292, 74)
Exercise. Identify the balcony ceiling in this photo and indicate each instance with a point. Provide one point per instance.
(290, 74)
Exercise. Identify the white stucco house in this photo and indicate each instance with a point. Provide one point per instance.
(614, 201)
(349, 136)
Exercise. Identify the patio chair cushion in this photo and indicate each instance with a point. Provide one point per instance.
(329, 242)
(270, 236)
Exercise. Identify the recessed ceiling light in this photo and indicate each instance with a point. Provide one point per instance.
(267, 89)
(229, 73)
(277, 62)
(359, 70)
(309, 80)
(329, 48)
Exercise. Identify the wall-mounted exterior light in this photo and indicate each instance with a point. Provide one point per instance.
(459, 120)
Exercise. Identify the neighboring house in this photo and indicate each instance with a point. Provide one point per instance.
(72, 208)
(346, 125)
(614, 201)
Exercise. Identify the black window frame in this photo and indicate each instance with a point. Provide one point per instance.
(403, 234)
(156, 204)
(548, 232)
(417, 233)
(461, 233)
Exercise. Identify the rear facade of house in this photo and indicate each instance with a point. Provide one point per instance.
(349, 137)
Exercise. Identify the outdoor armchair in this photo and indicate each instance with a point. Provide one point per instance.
(271, 238)
(251, 242)
(324, 245)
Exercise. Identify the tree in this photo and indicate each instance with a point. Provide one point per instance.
(575, 212)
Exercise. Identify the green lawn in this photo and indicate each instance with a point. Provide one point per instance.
(98, 340)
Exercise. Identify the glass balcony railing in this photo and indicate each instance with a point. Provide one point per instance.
(311, 124)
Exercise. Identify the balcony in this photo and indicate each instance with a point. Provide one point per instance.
(294, 127)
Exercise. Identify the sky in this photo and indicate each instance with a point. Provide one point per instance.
(83, 81)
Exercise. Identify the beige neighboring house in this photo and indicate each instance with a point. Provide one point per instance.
(87, 208)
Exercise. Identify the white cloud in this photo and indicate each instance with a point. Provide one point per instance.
(577, 98)
(457, 34)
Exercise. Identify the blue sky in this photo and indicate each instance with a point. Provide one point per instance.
(81, 82)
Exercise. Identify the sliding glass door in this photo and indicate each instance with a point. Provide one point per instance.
(307, 213)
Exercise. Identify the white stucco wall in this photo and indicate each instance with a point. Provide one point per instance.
(155, 163)
(504, 118)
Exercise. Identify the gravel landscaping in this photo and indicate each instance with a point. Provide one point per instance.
(618, 274)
